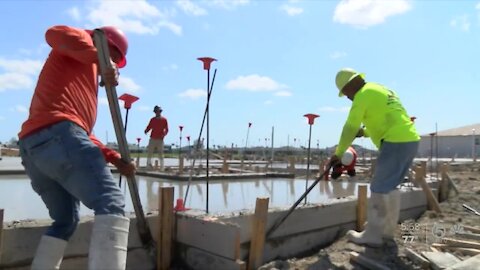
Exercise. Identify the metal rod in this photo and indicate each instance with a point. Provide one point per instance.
(308, 161)
(200, 136)
(104, 61)
(208, 140)
(126, 123)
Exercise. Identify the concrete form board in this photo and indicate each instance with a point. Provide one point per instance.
(213, 236)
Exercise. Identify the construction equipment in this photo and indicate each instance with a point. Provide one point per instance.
(101, 44)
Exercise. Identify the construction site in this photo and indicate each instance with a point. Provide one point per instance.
(343, 166)
(436, 231)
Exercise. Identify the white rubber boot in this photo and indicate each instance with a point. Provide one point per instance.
(376, 215)
(393, 213)
(108, 244)
(49, 253)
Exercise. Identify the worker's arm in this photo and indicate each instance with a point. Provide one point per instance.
(72, 42)
(109, 154)
(112, 156)
(165, 131)
(149, 127)
(351, 127)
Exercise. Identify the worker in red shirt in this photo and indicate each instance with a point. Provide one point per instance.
(159, 127)
(65, 162)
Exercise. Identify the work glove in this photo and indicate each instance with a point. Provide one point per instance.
(336, 171)
(127, 169)
(334, 160)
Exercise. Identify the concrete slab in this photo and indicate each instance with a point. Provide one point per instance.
(440, 260)
(472, 263)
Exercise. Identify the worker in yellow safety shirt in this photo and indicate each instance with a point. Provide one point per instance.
(388, 125)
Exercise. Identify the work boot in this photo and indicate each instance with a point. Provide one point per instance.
(376, 215)
(393, 213)
(108, 244)
(49, 253)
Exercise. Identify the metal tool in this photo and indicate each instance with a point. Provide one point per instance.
(471, 209)
(101, 44)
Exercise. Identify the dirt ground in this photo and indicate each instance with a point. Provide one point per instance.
(418, 235)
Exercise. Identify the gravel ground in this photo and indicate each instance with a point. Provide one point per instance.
(417, 235)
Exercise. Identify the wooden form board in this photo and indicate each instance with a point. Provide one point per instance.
(216, 237)
(257, 243)
(164, 243)
(361, 206)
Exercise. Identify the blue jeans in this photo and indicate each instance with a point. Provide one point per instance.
(66, 168)
(392, 165)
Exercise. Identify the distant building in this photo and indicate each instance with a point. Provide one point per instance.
(462, 142)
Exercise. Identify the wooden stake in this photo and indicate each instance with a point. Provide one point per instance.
(465, 251)
(361, 206)
(452, 184)
(180, 164)
(165, 230)
(444, 187)
(366, 262)
(431, 200)
(259, 223)
(1, 233)
(423, 166)
(461, 243)
(417, 258)
(471, 228)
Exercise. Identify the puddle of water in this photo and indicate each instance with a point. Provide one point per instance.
(21, 202)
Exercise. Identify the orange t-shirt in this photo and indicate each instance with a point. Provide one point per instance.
(67, 87)
(159, 127)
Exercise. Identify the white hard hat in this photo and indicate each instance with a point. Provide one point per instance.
(347, 158)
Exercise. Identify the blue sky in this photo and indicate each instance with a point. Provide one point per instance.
(277, 61)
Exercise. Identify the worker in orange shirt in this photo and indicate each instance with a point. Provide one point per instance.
(159, 127)
(65, 162)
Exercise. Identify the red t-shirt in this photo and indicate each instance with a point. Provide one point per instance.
(67, 86)
(159, 127)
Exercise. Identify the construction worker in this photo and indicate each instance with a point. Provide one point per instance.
(159, 127)
(388, 125)
(347, 164)
(65, 162)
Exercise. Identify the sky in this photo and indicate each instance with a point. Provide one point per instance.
(276, 61)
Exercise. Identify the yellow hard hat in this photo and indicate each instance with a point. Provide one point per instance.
(344, 76)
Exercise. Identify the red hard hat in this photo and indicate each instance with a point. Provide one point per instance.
(118, 39)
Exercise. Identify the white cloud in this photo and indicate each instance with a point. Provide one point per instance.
(268, 102)
(333, 109)
(291, 10)
(27, 67)
(74, 13)
(337, 55)
(136, 16)
(10, 81)
(128, 84)
(170, 67)
(191, 8)
(103, 101)
(19, 73)
(228, 4)
(193, 93)
(283, 93)
(461, 22)
(254, 83)
(365, 13)
(145, 108)
(19, 109)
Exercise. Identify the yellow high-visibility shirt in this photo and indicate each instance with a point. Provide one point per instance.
(383, 115)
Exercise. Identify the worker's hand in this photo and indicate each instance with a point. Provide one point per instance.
(110, 75)
(360, 133)
(334, 160)
(127, 169)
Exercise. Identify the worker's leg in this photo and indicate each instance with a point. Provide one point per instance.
(86, 176)
(45, 161)
(150, 149)
(405, 153)
(384, 203)
(160, 153)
